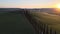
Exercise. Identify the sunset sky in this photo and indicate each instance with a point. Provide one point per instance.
(28, 3)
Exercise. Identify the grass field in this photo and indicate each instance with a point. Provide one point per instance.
(53, 21)
(13, 23)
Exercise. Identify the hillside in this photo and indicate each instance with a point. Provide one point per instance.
(53, 21)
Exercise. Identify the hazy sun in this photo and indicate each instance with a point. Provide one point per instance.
(58, 5)
(57, 10)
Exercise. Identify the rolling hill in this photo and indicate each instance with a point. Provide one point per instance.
(52, 21)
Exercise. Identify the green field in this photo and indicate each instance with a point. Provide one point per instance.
(13, 23)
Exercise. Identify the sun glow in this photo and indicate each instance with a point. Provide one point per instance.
(58, 6)
(57, 9)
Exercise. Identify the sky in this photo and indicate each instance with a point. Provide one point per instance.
(28, 3)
